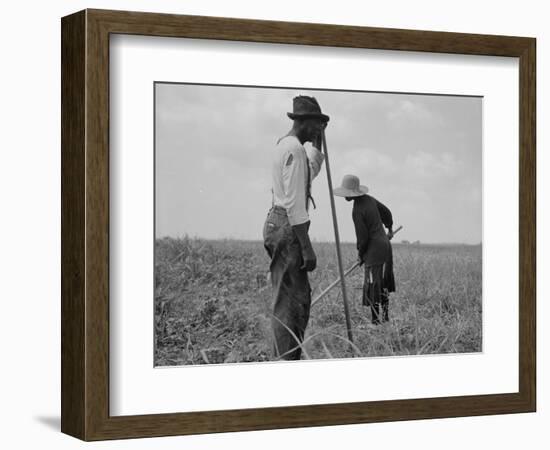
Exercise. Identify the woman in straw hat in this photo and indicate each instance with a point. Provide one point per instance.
(373, 245)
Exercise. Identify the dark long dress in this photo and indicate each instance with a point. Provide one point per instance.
(369, 217)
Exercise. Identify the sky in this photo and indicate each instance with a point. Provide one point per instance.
(419, 154)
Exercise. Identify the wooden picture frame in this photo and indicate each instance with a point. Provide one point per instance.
(85, 224)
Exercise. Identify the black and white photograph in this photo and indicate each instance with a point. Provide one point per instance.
(301, 224)
(277, 225)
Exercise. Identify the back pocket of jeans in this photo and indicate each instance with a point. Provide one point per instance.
(269, 229)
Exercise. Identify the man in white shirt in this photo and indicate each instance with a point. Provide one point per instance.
(286, 228)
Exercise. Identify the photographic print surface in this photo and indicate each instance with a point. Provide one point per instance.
(244, 259)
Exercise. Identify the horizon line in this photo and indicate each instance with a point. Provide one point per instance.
(408, 242)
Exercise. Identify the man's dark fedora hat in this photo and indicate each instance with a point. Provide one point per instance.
(307, 108)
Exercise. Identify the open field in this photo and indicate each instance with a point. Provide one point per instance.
(213, 303)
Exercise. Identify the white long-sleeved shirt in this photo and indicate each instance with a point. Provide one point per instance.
(289, 177)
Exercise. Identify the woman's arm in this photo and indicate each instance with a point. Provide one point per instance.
(361, 232)
(386, 217)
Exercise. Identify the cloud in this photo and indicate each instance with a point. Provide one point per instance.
(421, 155)
(430, 165)
(363, 161)
(409, 110)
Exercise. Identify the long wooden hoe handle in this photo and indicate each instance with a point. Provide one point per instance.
(337, 240)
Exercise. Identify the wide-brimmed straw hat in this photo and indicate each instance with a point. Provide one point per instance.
(351, 187)
(305, 107)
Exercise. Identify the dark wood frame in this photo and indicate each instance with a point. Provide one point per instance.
(85, 224)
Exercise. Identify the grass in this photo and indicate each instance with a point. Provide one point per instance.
(213, 303)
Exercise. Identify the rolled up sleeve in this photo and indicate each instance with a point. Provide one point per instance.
(316, 159)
